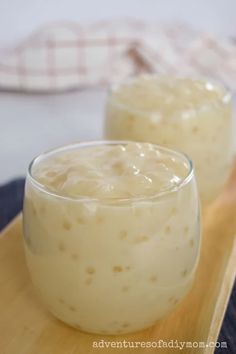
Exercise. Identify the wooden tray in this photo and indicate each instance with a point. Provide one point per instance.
(27, 328)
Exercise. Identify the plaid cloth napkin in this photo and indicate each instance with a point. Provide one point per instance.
(64, 56)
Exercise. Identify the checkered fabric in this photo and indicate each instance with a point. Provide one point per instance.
(64, 56)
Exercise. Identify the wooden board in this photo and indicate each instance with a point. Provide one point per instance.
(27, 328)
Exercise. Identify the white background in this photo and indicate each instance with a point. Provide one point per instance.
(19, 17)
(30, 124)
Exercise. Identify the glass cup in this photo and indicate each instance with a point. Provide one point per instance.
(111, 266)
(193, 116)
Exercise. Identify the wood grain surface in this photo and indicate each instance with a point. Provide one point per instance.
(26, 327)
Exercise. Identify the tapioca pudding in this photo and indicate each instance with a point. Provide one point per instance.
(193, 116)
(111, 233)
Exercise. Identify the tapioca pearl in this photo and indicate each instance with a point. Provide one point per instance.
(173, 211)
(88, 281)
(99, 219)
(172, 300)
(114, 323)
(128, 267)
(116, 151)
(153, 278)
(117, 269)
(141, 238)
(80, 220)
(118, 167)
(126, 325)
(125, 288)
(131, 119)
(61, 301)
(75, 325)
(66, 225)
(75, 256)
(72, 308)
(184, 272)
(152, 126)
(90, 270)
(51, 174)
(191, 242)
(34, 211)
(61, 246)
(167, 229)
(195, 130)
(123, 234)
(186, 230)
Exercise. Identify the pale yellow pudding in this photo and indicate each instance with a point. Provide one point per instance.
(111, 233)
(188, 115)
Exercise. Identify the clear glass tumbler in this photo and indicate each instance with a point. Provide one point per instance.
(193, 116)
(111, 266)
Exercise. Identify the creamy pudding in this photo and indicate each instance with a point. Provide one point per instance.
(111, 233)
(192, 116)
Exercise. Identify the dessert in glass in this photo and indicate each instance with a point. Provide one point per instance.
(193, 116)
(111, 233)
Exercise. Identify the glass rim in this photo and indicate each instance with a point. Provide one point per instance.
(106, 200)
(226, 97)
